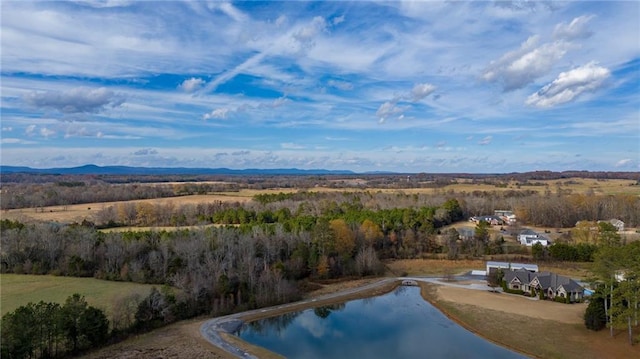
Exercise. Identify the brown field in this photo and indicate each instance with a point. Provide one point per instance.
(79, 212)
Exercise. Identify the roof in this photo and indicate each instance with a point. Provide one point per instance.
(524, 276)
(529, 231)
(513, 266)
(552, 280)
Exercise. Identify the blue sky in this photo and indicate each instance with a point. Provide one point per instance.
(366, 86)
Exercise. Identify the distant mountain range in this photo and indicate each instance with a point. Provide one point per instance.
(126, 170)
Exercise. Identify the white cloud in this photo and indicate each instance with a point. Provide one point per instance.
(228, 75)
(7, 129)
(45, 132)
(485, 141)
(307, 33)
(421, 91)
(76, 100)
(279, 102)
(291, 146)
(145, 152)
(17, 141)
(576, 29)
(219, 113)
(569, 85)
(233, 12)
(337, 20)
(75, 131)
(104, 3)
(191, 85)
(281, 20)
(340, 85)
(388, 109)
(29, 130)
(624, 162)
(304, 37)
(520, 67)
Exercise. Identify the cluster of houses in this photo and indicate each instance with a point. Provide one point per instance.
(526, 237)
(527, 278)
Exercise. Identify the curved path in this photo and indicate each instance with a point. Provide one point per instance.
(212, 328)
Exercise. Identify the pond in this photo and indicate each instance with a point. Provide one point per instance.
(399, 324)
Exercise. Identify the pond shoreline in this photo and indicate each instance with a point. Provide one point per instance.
(219, 331)
(214, 330)
(428, 292)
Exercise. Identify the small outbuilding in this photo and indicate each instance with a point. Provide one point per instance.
(511, 266)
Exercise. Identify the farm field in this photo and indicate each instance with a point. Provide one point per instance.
(20, 289)
(80, 212)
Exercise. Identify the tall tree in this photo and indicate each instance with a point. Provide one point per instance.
(345, 240)
(371, 232)
(481, 236)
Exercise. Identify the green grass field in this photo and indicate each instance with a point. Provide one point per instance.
(18, 289)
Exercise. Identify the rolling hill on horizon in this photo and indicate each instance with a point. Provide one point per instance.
(91, 169)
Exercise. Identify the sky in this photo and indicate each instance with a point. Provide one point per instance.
(403, 86)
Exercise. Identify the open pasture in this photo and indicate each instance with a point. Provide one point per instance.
(80, 212)
(20, 289)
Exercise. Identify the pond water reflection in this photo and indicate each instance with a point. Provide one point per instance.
(399, 324)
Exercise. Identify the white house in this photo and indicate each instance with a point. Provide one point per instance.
(529, 237)
(618, 224)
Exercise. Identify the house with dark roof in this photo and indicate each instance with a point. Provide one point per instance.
(519, 279)
(551, 285)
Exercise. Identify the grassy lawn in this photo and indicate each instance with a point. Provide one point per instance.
(19, 289)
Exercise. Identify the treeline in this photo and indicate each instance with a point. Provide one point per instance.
(67, 193)
(51, 330)
(564, 252)
(562, 211)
